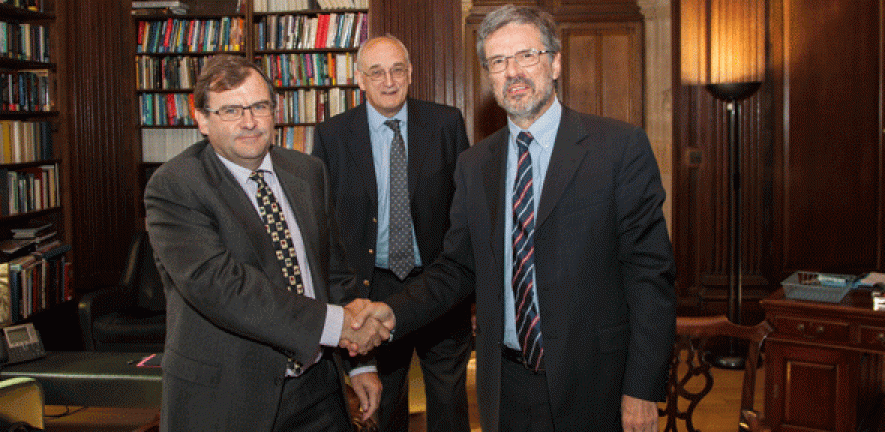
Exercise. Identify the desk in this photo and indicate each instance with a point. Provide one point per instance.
(102, 379)
(824, 363)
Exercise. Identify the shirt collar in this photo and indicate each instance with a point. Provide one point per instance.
(376, 120)
(544, 129)
(241, 173)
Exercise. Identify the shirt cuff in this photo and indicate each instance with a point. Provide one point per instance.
(334, 324)
(362, 370)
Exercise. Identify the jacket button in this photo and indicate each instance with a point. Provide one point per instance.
(371, 251)
(366, 282)
(374, 220)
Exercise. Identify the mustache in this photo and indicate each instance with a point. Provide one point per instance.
(519, 80)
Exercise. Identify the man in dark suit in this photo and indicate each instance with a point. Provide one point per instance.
(558, 216)
(249, 257)
(356, 147)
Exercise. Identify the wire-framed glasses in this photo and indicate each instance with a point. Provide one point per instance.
(235, 112)
(524, 58)
(377, 74)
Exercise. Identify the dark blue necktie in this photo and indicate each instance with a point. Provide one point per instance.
(528, 319)
(400, 249)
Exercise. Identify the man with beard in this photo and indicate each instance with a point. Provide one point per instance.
(558, 216)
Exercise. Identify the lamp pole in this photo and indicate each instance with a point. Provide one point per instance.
(732, 94)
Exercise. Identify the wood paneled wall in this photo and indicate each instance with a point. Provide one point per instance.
(103, 207)
(431, 30)
(812, 174)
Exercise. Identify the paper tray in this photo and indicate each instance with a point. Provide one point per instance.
(810, 289)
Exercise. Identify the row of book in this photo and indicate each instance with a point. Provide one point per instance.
(33, 5)
(24, 41)
(295, 137)
(315, 105)
(310, 69)
(28, 189)
(160, 145)
(167, 109)
(25, 141)
(295, 5)
(176, 35)
(332, 30)
(34, 281)
(167, 73)
(25, 91)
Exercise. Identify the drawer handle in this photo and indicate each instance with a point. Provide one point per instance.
(881, 337)
(818, 330)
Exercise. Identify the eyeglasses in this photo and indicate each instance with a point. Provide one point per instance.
(235, 112)
(378, 74)
(524, 58)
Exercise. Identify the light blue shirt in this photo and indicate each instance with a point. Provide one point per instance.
(381, 136)
(334, 314)
(544, 131)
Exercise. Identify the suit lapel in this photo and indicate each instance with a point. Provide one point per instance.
(242, 210)
(493, 169)
(359, 147)
(564, 161)
(418, 131)
(296, 190)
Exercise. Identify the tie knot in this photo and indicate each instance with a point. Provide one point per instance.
(257, 177)
(393, 124)
(524, 139)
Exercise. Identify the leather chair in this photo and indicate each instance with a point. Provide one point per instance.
(131, 316)
(690, 377)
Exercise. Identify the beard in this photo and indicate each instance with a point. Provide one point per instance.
(528, 107)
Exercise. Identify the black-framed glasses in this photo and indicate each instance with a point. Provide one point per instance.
(378, 74)
(524, 58)
(235, 112)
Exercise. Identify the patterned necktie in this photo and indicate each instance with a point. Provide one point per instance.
(276, 226)
(528, 320)
(401, 252)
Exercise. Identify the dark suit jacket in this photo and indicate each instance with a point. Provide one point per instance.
(436, 137)
(604, 270)
(231, 323)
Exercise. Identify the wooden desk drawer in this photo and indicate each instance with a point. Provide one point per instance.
(872, 338)
(811, 330)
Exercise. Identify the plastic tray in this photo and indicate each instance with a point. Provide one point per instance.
(819, 287)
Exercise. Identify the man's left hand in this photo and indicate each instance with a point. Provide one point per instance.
(367, 387)
(638, 415)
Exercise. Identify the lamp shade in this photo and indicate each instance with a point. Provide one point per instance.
(722, 41)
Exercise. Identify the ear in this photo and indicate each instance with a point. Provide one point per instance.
(359, 79)
(556, 66)
(202, 119)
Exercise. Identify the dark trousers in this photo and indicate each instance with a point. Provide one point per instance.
(443, 348)
(313, 401)
(525, 399)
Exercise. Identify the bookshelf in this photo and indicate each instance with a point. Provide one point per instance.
(33, 269)
(308, 48)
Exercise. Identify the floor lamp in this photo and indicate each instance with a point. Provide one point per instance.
(732, 94)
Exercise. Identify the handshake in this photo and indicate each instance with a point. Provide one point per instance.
(366, 325)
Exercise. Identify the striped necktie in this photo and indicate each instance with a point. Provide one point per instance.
(276, 226)
(528, 318)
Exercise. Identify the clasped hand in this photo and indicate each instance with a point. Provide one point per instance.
(367, 324)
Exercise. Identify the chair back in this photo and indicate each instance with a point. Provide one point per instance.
(140, 277)
(691, 363)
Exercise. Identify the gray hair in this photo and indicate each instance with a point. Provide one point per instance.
(372, 41)
(510, 14)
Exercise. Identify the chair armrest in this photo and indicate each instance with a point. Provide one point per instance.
(96, 304)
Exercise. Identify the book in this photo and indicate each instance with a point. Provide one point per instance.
(31, 230)
(5, 295)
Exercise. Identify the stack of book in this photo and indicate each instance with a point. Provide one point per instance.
(177, 7)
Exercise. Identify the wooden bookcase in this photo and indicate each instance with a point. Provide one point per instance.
(313, 76)
(32, 272)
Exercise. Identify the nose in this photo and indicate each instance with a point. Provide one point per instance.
(512, 68)
(388, 78)
(248, 118)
